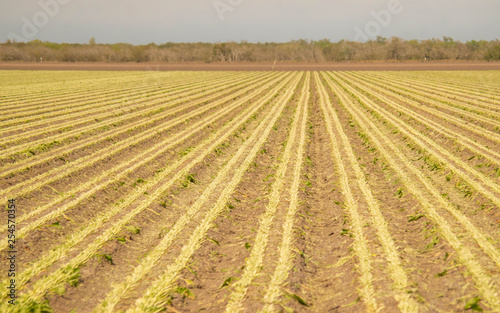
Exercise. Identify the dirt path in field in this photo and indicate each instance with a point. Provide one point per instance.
(324, 274)
(361, 66)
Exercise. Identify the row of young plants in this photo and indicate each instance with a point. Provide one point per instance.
(402, 109)
(485, 98)
(47, 152)
(118, 172)
(422, 189)
(476, 179)
(162, 181)
(80, 96)
(108, 115)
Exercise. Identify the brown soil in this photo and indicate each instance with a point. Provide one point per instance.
(339, 66)
(325, 270)
(411, 236)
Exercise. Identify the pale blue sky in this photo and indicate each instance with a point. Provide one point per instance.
(159, 21)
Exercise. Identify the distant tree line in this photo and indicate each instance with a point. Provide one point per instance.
(382, 49)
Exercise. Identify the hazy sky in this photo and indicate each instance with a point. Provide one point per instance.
(159, 21)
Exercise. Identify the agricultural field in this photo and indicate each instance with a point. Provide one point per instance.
(250, 191)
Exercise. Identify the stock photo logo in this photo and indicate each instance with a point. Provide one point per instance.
(30, 27)
(381, 19)
(224, 6)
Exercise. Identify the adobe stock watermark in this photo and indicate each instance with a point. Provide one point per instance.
(153, 78)
(381, 19)
(40, 19)
(224, 6)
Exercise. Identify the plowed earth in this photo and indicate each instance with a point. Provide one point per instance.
(251, 191)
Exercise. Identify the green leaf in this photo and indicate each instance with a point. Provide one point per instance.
(60, 290)
(442, 273)
(434, 241)
(344, 232)
(214, 241)
(185, 292)
(227, 282)
(473, 304)
(415, 217)
(56, 225)
(133, 229)
(121, 239)
(299, 300)
(107, 257)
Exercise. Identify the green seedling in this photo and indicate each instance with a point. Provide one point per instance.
(442, 273)
(296, 298)
(166, 203)
(415, 217)
(184, 292)
(214, 241)
(218, 151)
(434, 241)
(399, 192)
(133, 229)
(138, 181)
(473, 305)
(56, 225)
(190, 178)
(73, 275)
(163, 232)
(227, 282)
(186, 151)
(106, 257)
(268, 177)
(121, 239)
(345, 232)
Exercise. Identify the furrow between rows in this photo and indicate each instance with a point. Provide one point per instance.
(396, 270)
(360, 245)
(254, 262)
(284, 264)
